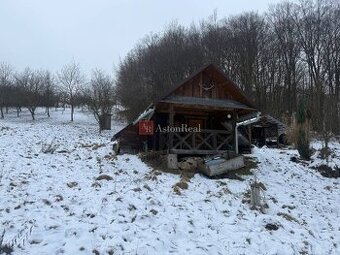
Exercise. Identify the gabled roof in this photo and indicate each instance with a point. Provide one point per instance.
(222, 78)
(269, 121)
(200, 101)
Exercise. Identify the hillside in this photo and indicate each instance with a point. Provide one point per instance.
(63, 192)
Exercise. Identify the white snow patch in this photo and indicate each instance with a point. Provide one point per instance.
(51, 203)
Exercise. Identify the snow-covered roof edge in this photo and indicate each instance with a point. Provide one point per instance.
(147, 114)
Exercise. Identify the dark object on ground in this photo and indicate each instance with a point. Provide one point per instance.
(6, 249)
(294, 159)
(283, 139)
(299, 160)
(104, 177)
(271, 226)
(327, 171)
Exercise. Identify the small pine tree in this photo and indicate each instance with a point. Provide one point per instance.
(302, 141)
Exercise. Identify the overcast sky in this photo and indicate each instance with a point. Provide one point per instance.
(96, 33)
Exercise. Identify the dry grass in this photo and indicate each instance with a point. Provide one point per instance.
(292, 135)
(182, 185)
(72, 184)
(250, 163)
(93, 146)
(157, 161)
(288, 217)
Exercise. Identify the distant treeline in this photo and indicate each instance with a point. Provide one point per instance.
(288, 54)
(40, 88)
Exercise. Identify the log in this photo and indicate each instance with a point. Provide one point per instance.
(221, 165)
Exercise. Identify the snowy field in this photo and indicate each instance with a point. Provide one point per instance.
(52, 203)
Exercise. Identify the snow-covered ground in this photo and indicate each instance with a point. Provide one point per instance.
(51, 203)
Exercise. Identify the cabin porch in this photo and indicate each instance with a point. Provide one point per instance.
(204, 142)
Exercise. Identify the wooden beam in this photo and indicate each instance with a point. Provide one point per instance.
(198, 152)
(171, 115)
(201, 84)
(234, 119)
(171, 124)
(182, 140)
(249, 135)
(185, 107)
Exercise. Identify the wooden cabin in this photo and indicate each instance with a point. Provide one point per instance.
(198, 117)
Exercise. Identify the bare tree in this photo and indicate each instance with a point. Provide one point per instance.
(6, 73)
(100, 97)
(288, 52)
(309, 20)
(17, 96)
(154, 66)
(31, 83)
(48, 96)
(331, 60)
(291, 52)
(71, 79)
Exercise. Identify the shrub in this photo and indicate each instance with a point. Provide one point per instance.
(302, 139)
(303, 145)
(49, 147)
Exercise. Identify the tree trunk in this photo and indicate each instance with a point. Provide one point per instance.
(32, 111)
(48, 111)
(101, 123)
(337, 102)
(319, 107)
(72, 111)
(2, 112)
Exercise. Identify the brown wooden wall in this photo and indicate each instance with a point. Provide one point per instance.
(203, 85)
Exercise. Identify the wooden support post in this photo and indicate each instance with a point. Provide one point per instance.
(154, 139)
(201, 85)
(249, 136)
(264, 136)
(234, 119)
(277, 137)
(172, 161)
(193, 141)
(255, 195)
(171, 124)
(215, 141)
